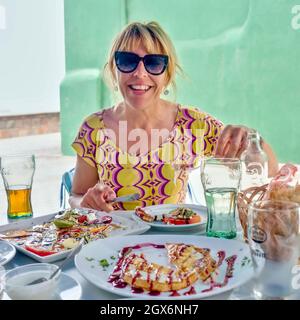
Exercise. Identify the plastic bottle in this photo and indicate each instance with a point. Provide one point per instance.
(254, 163)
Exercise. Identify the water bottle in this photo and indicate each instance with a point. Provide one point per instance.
(254, 163)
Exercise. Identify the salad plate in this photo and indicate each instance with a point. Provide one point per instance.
(158, 213)
(50, 238)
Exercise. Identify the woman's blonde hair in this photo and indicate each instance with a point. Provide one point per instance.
(153, 38)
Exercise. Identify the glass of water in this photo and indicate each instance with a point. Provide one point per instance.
(220, 178)
(273, 234)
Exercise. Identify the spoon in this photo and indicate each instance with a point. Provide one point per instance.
(60, 267)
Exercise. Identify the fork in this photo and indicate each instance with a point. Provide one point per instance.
(60, 267)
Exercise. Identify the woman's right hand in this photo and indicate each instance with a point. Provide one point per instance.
(98, 197)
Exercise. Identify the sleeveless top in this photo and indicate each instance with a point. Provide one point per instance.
(160, 176)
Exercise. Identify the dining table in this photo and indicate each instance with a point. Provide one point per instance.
(91, 292)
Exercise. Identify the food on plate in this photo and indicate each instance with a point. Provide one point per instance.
(190, 257)
(63, 233)
(182, 216)
(178, 216)
(70, 243)
(187, 264)
(15, 234)
(144, 215)
(154, 277)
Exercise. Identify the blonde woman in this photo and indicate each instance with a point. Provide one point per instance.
(146, 144)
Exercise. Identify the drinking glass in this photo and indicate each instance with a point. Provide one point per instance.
(17, 173)
(220, 178)
(273, 233)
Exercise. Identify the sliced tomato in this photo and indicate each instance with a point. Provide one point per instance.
(173, 221)
(42, 253)
(194, 219)
(82, 219)
(179, 221)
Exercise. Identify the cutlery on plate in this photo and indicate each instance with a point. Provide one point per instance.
(128, 198)
(60, 266)
(15, 234)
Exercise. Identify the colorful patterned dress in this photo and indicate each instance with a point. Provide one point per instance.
(160, 176)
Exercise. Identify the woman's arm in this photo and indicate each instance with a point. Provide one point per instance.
(87, 191)
(233, 141)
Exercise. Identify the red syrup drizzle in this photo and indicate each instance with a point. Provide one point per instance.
(221, 256)
(137, 274)
(229, 273)
(119, 283)
(182, 248)
(151, 291)
(174, 294)
(121, 266)
(137, 290)
(190, 292)
(154, 293)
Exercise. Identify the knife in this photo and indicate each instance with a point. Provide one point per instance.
(128, 198)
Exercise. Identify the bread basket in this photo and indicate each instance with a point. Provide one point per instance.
(244, 198)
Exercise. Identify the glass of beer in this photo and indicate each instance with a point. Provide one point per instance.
(17, 172)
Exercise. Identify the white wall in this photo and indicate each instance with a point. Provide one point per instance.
(32, 59)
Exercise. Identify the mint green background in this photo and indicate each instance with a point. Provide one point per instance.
(240, 57)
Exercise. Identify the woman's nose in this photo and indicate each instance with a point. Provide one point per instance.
(140, 70)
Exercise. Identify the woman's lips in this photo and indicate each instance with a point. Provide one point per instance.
(139, 89)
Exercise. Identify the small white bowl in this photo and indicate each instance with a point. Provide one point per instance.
(16, 282)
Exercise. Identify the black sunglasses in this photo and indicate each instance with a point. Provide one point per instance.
(127, 62)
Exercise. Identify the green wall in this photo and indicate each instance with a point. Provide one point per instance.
(240, 57)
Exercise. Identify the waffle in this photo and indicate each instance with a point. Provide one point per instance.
(188, 264)
(189, 257)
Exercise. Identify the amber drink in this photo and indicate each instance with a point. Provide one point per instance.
(17, 173)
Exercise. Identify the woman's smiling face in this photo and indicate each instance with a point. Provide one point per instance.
(139, 88)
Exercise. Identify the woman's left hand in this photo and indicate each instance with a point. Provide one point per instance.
(232, 142)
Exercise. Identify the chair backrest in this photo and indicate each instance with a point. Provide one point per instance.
(66, 187)
(195, 193)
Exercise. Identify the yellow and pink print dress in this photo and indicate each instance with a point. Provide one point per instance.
(160, 176)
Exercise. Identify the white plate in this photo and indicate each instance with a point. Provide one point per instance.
(87, 262)
(166, 208)
(7, 252)
(130, 227)
(68, 289)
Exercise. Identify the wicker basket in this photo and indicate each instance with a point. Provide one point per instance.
(244, 199)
